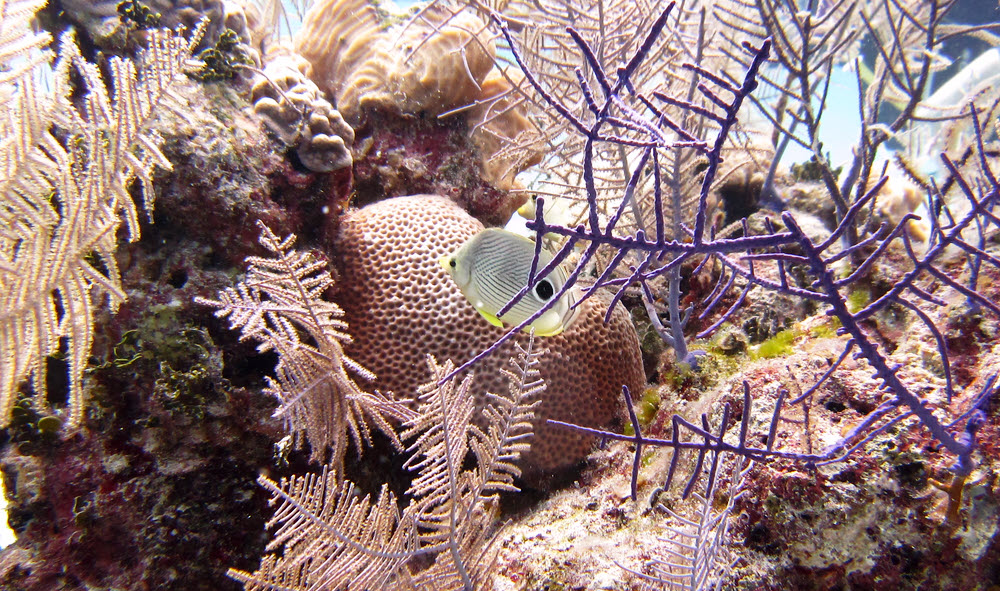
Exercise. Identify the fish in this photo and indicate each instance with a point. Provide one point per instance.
(527, 211)
(558, 211)
(492, 267)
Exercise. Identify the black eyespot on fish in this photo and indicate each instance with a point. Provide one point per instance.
(544, 290)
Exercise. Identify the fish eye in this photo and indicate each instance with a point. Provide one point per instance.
(544, 289)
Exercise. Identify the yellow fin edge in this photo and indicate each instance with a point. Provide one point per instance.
(551, 333)
(490, 318)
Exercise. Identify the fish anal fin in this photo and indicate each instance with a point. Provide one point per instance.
(546, 333)
(490, 317)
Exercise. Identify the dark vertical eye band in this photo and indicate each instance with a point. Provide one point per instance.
(544, 290)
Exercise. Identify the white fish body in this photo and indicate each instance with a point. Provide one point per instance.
(558, 210)
(492, 266)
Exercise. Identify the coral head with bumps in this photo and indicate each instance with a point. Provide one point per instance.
(401, 305)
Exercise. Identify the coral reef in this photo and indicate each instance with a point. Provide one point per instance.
(158, 484)
(888, 386)
(156, 487)
(239, 176)
(891, 515)
(882, 519)
(395, 294)
(315, 384)
(436, 64)
(295, 110)
(64, 202)
(443, 119)
(833, 423)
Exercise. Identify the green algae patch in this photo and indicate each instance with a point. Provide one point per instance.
(827, 330)
(777, 346)
(858, 300)
(646, 407)
(723, 355)
(628, 430)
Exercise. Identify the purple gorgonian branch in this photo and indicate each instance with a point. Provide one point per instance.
(921, 287)
(606, 118)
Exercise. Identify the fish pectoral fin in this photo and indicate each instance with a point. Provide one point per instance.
(548, 325)
(489, 317)
(549, 333)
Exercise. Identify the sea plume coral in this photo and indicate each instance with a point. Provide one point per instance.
(69, 158)
(328, 537)
(402, 305)
(319, 399)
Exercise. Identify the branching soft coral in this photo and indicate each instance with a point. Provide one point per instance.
(328, 537)
(280, 304)
(69, 159)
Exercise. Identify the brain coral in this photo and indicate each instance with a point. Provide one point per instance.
(401, 305)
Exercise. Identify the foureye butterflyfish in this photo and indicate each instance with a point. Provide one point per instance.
(493, 266)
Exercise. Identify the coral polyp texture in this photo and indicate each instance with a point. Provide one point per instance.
(420, 67)
(294, 110)
(401, 305)
(438, 63)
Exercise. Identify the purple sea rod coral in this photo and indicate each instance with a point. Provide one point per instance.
(931, 283)
(743, 257)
